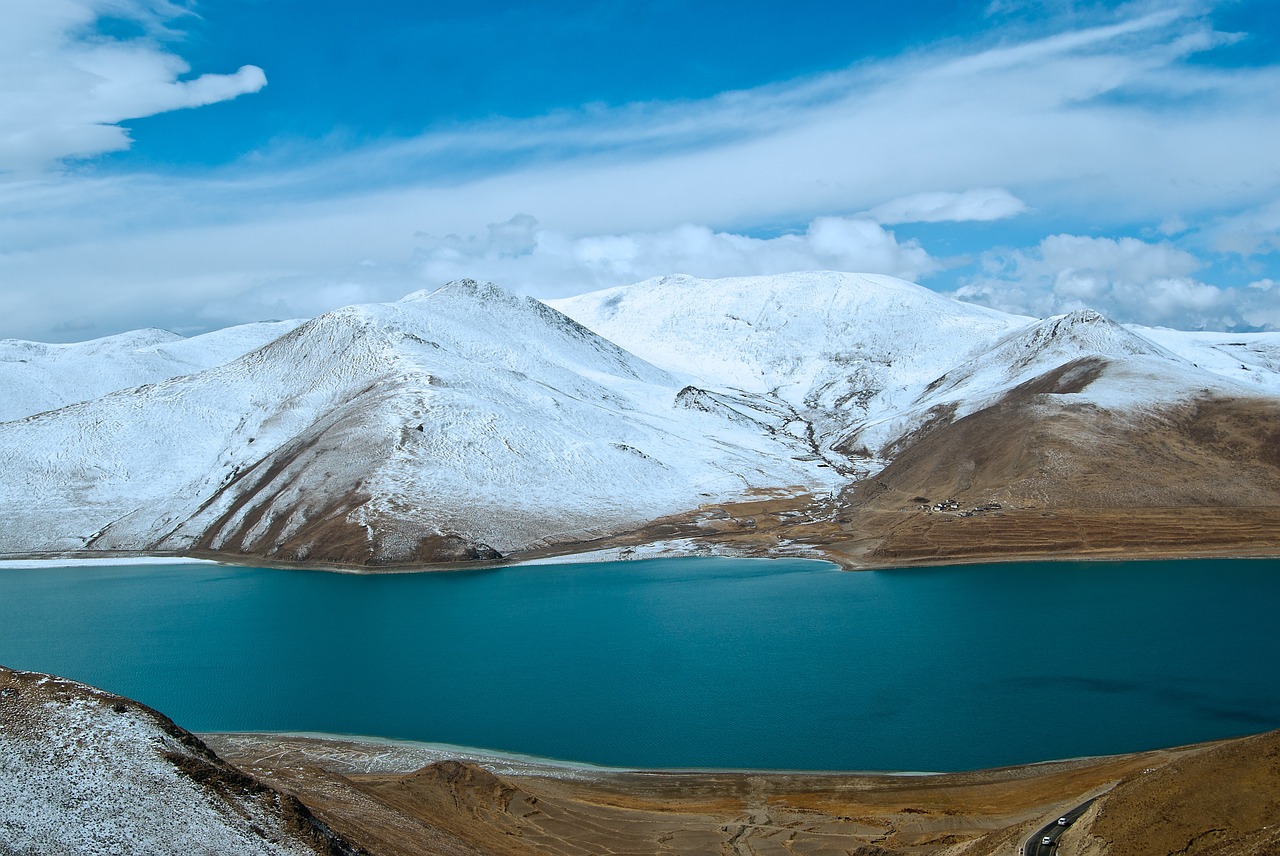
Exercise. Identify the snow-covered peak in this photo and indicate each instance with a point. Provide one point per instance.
(467, 419)
(493, 324)
(1087, 331)
(783, 333)
(1044, 345)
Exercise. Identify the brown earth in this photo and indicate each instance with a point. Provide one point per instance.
(1223, 800)
(1221, 797)
(1036, 476)
(1033, 476)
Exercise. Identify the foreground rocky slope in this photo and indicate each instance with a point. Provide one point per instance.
(84, 771)
(816, 413)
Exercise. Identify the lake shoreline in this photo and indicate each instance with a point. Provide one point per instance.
(358, 753)
(830, 555)
(401, 754)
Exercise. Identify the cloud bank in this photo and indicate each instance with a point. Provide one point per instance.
(524, 255)
(1102, 123)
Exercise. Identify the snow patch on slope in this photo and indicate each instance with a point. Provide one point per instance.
(1126, 371)
(1249, 359)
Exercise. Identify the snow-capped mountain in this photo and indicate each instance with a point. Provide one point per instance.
(868, 359)
(837, 346)
(445, 426)
(36, 376)
(467, 422)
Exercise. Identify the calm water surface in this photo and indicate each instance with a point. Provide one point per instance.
(683, 662)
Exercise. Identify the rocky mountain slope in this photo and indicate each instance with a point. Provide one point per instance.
(468, 423)
(84, 771)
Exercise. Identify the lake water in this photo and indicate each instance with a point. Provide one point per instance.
(683, 663)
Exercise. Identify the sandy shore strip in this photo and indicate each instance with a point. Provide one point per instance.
(28, 562)
(353, 753)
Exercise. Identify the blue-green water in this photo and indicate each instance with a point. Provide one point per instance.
(683, 663)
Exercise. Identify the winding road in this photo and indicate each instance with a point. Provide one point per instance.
(1034, 845)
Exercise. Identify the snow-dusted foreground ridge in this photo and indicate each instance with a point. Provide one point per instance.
(468, 423)
(84, 771)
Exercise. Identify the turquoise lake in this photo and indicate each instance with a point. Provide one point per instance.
(685, 662)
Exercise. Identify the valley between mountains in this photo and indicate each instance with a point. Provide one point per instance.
(851, 417)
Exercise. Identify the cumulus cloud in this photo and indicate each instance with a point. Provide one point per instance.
(524, 255)
(985, 203)
(64, 88)
(1127, 279)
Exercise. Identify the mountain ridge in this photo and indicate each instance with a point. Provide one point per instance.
(468, 423)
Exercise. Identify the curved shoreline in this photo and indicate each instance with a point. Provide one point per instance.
(351, 753)
(516, 763)
(553, 808)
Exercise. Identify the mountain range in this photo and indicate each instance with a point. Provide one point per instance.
(854, 417)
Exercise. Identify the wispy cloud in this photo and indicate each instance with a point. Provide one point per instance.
(979, 204)
(65, 89)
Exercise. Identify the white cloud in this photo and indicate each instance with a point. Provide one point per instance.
(1249, 232)
(1127, 279)
(1172, 225)
(522, 254)
(63, 91)
(1108, 122)
(985, 203)
(1260, 307)
(1103, 123)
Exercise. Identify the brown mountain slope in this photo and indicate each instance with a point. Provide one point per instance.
(1212, 803)
(1042, 473)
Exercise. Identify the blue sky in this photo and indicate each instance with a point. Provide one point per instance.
(191, 165)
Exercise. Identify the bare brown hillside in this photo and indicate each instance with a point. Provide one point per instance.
(1038, 474)
(1219, 801)
(1220, 798)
